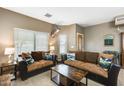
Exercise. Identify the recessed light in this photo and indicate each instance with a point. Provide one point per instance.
(48, 15)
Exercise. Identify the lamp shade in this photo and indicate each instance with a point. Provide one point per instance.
(52, 48)
(9, 51)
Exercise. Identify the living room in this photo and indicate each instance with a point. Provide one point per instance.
(56, 42)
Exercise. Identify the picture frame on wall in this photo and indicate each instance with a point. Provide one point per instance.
(108, 40)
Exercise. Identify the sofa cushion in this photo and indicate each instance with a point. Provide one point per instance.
(39, 64)
(109, 56)
(93, 68)
(74, 63)
(37, 55)
(91, 57)
(80, 55)
(96, 69)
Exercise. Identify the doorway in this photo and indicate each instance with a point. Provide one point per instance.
(80, 42)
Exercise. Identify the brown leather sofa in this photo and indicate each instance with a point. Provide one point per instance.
(89, 61)
(40, 65)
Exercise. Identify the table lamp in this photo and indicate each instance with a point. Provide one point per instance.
(10, 53)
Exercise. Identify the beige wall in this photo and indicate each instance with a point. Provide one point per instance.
(94, 37)
(70, 31)
(10, 20)
(79, 29)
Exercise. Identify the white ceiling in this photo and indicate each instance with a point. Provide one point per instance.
(84, 16)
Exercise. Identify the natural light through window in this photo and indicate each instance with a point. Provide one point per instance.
(63, 43)
(27, 41)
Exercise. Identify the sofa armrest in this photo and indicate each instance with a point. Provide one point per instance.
(23, 70)
(64, 57)
(113, 75)
(54, 59)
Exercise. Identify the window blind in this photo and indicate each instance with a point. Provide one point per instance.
(27, 41)
(41, 41)
(24, 41)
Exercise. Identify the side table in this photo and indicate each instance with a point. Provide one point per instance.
(9, 68)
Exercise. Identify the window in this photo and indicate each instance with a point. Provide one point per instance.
(41, 41)
(24, 41)
(27, 41)
(63, 44)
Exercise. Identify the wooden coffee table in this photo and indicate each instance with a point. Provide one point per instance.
(67, 75)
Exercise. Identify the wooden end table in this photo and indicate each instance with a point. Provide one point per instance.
(67, 75)
(9, 67)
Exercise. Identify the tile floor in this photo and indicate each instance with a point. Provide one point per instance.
(43, 79)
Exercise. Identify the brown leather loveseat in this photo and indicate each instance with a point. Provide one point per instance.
(39, 65)
(89, 61)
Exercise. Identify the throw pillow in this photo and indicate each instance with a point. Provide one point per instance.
(29, 60)
(37, 55)
(25, 55)
(70, 56)
(48, 56)
(105, 61)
